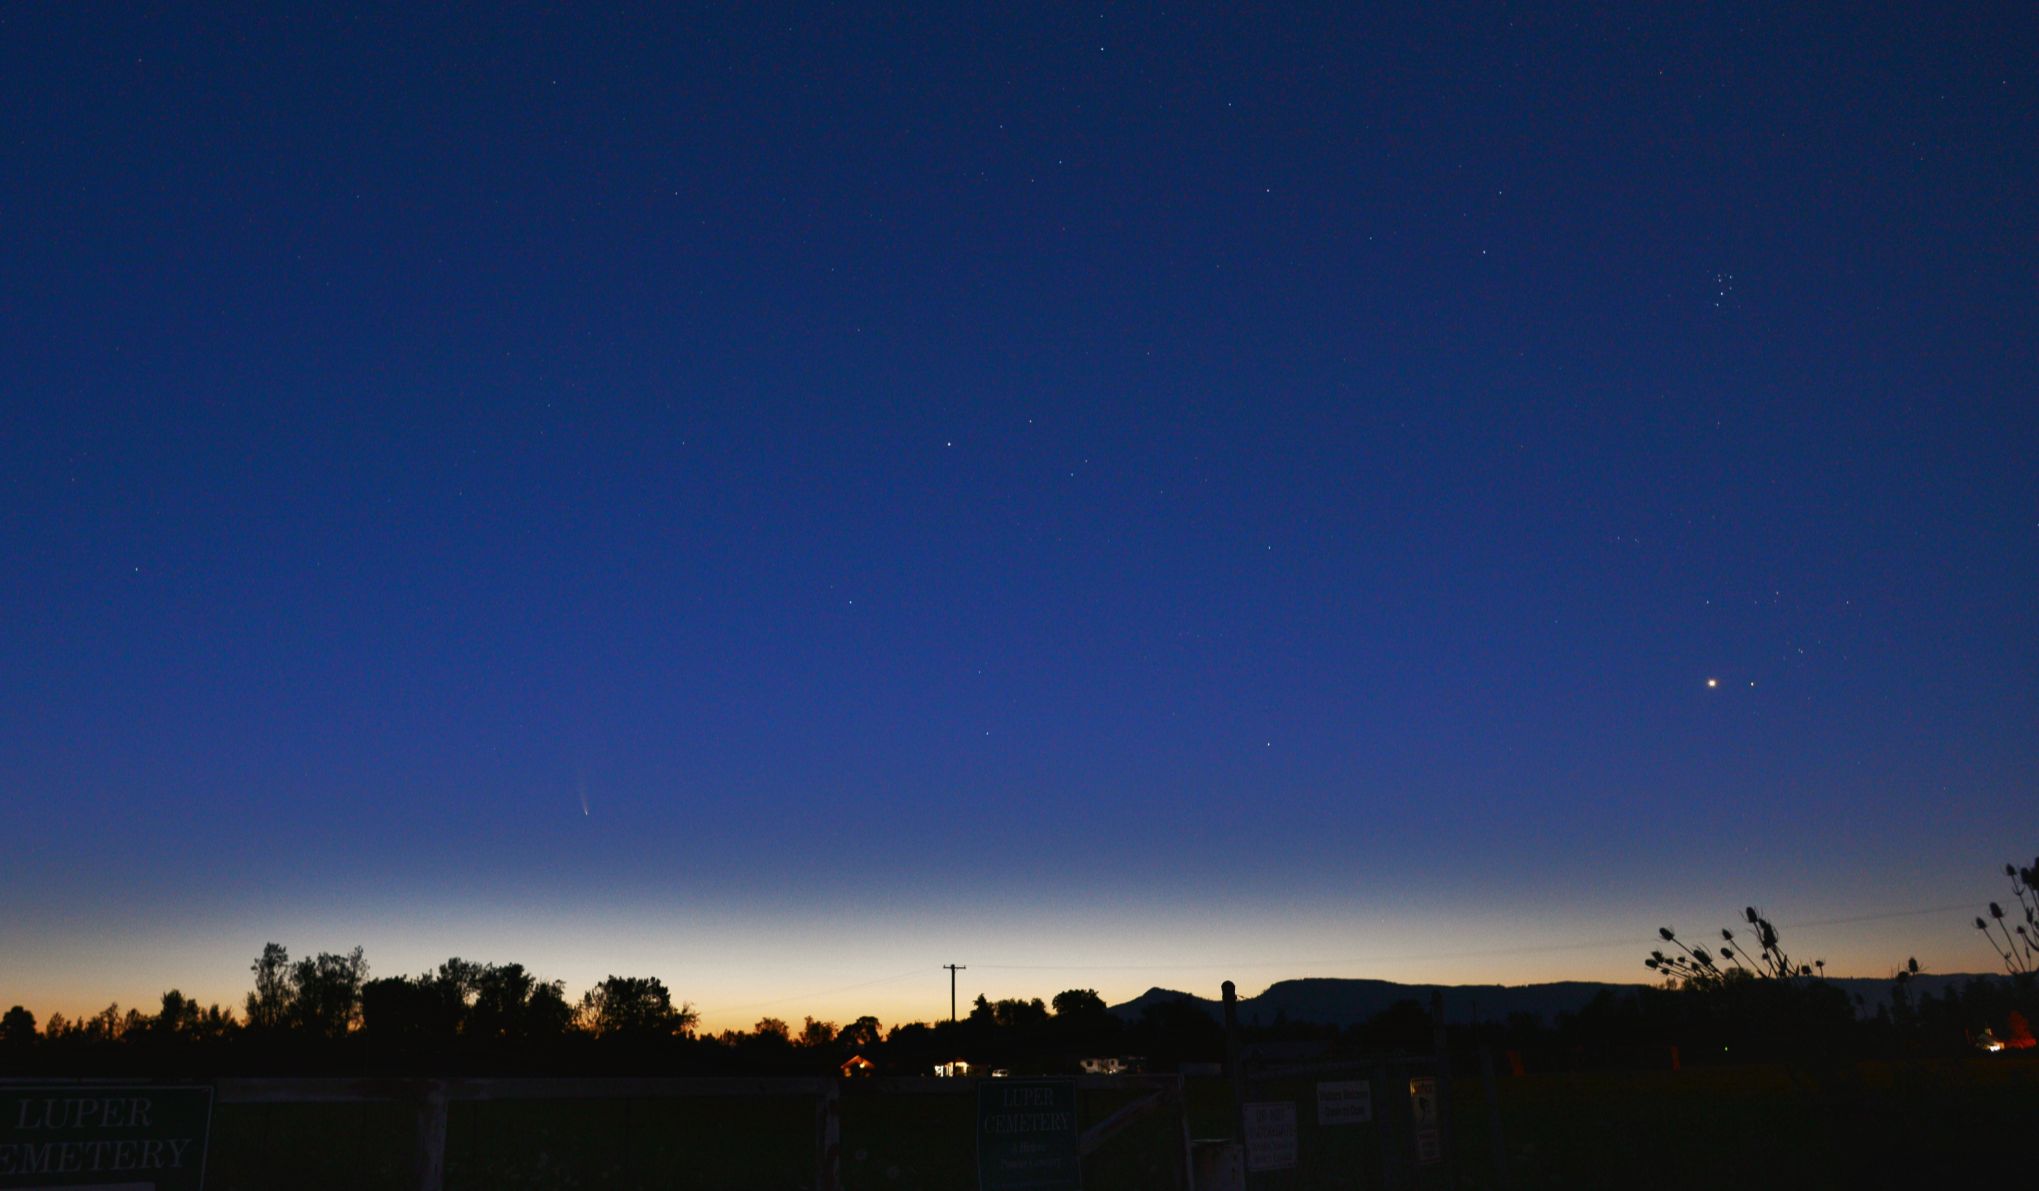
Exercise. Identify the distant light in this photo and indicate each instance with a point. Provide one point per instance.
(1713, 682)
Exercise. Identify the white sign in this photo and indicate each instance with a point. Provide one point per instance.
(1429, 1147)
(1271, 1135)
(1344, 1102)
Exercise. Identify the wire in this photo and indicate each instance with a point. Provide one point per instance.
(1475, 953)
(1318, 962)
(1964, 907)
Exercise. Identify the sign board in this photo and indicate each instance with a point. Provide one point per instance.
(1423, 1102)
(1027, 1136)
(1423, 1115)
(84, 1137)
(1344, 1102)
(1271, 1135)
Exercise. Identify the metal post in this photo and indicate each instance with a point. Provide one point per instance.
(1235, 1068)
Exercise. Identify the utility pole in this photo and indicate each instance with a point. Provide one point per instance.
(1235, 1070)
(953, 969)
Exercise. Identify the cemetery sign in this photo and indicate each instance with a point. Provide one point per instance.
(136, 1138)
(1026, 1135)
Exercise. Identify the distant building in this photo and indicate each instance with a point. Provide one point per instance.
(857, 1065)
(953, 1069)
(1112, 1066)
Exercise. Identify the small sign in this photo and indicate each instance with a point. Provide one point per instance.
(1027, 1136)
(99, 1135)
(1271, 1135)
(1423, 1101)
(1423, 1115)
(1344, 1102)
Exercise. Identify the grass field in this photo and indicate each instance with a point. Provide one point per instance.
(894, 1141)
(1869, 1125)
(1953, 1123)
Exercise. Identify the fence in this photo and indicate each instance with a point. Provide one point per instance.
(546, 1132)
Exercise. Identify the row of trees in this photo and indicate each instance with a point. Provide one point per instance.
(1743, 995)
(329, 996)
(507, 1022)
(324, 1012)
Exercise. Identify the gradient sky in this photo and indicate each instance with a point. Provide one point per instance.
(1108, 496)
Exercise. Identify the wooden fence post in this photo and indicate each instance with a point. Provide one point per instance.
(1494, 1135)
(1441, 1045)
(1394, 1124)
(828, 1122)
(429, 1160)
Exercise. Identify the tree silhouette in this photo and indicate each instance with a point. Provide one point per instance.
(325, 993)
(1078, 1003)
(455, 984)
(17, 1027)
(179, 1016)
(510, 1003)
(1015, 1014)
(270, 1001)
(638, 1007)
(400, 1009)
(501, 1002)
(466, 1000)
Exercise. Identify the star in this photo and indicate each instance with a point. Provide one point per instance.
(1712, 682)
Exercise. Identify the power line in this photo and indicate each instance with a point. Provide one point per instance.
(953, 969)
(811, 995)
(1471, 953)
(1964, 907)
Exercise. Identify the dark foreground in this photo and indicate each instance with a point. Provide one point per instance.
(1944, 1122)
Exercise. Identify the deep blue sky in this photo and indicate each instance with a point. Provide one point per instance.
(1107, 496)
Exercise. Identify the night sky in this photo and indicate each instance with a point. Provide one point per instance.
(782, 501)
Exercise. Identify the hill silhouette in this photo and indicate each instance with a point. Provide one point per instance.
(1339, 1001)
